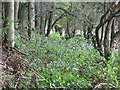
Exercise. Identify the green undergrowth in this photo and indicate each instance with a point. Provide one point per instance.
(71, 63)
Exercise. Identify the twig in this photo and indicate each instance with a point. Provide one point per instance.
(20, 51)
(102, 84)
(2, 84)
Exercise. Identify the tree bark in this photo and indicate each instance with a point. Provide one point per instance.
(1, 27)
(42, 24)
(1, 16)
(84, 30)
(102, 32)
(107, 40)
(3, 11)
(31, 18)
(16, 7)
(37, 16)
(108, 21)
(112, 32)
(67, 32)
(49, 24)
(22, 16)
(9, 17)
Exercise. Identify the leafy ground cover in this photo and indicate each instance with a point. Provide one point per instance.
(55, 63)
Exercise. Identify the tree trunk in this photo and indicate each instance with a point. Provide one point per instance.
(9, 17)
(1, 16)
(31, 15)
(107, 40)
(46, 19)
(108, 50)
(22, 15)
(84, 29)
(74, 29)
(37, 16)
(1, 43)
(102, 32)
(67, 32)
(3, 11)
(1, 26)
(16, 7)
(49, 24)
(89, 33)
(112, 31)
(42, 24)
(73, 32)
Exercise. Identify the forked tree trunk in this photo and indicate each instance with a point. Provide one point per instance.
(9, 17)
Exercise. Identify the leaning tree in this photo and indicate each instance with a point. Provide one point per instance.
(107, 44)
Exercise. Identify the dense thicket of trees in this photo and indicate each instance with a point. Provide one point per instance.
(72, 17)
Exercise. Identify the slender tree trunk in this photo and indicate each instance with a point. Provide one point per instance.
(46, 19)
(84, 29)
(1, 16)
(42, 24)
(16, 7)
(49, 24)
(1, 26)
(31, 15)
(112, 31)
(9, 17)
(3, 11)
(74, 29)
(73, 32)
(107, 40)
(22, 15)
(37, 16)
(102, 33)
(67, 32)
(89, 31)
